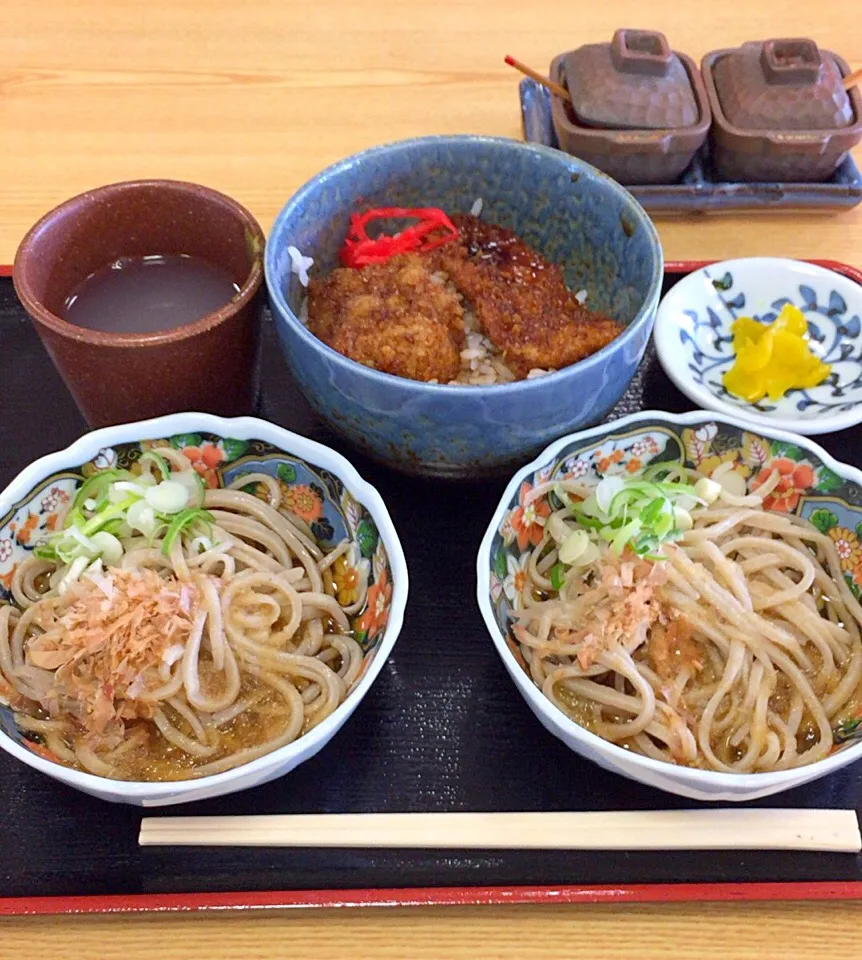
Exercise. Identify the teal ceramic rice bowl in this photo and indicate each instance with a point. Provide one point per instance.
(566, 209)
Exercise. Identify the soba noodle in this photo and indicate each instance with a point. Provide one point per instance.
(247, 646)
(737, 653)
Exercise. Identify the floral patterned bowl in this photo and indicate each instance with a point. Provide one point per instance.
(693, 339)
(321, 486)
(813, 485)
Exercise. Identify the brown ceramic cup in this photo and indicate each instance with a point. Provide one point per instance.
(208, 365)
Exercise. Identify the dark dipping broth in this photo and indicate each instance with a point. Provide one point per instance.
(156, 760)
(149, 294)
(585, 714)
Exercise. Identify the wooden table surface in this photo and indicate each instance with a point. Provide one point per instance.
(254, 98)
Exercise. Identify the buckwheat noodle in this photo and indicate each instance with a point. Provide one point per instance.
(263, 651)
(771, 654)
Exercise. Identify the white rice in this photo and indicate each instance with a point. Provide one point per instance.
(481, 362)
(300, 265)
(476, 209)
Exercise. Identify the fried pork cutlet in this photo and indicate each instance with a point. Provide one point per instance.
(396, 317)
(521, 299)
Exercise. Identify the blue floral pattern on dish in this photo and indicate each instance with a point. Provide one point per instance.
(835, 334)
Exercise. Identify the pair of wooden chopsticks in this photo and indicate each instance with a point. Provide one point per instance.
(835, 831)
(849, 81)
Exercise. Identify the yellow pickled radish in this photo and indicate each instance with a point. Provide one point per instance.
(752, 355)
(773, 358)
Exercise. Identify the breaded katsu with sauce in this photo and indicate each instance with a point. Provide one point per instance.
(394, 316)
(521, 299)
(407, 316)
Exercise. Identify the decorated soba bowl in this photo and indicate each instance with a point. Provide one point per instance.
(268, 596)
(730, 668)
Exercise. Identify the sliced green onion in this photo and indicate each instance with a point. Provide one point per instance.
(557, 528)
(157, 531)
(100, 520)
(167, 497)
(123, 489)
(574, 546)
(150, 456)
(659, 472)
(115, 526)
(635, 490)
(682, 519)
(558, 576)
(644, 543)
(624, 534)
(195, 483)
(74, 545)
(116, 503)
(589, 507)
(91, 488)
(109, 548)
(640, 512)
(663, 526)
(182, 520)
(653, 510)
(606, 490)
(78, 566)
(590, 555)
(707, 489)
(142, 517)
(591, 523)
(656, 470)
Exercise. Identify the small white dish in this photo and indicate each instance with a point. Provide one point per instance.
(693, 340)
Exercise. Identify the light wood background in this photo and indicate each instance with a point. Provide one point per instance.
(254, 98)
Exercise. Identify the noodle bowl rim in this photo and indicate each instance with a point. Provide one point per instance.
(709, 781)
(318, 455)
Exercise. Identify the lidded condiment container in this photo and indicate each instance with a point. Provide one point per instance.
(639, 111)
(780, 111)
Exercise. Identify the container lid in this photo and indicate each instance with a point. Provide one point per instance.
(635, 82)
(782, 85)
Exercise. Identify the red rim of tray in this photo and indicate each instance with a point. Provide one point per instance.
(429, 897)
(447, 896)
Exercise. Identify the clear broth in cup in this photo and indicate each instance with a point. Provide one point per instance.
(148, 294)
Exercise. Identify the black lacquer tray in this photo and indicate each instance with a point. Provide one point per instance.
(443, 729)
